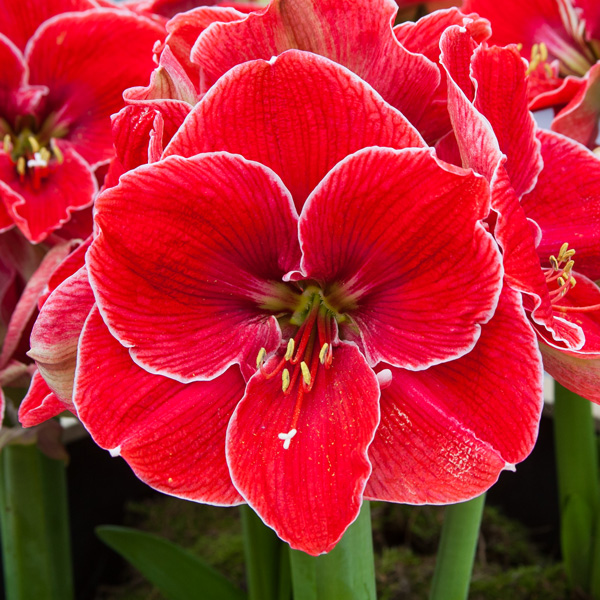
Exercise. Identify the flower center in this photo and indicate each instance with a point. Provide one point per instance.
(560, 280)
(34, 155)
(308, 352)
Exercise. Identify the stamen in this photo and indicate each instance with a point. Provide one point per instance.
(21, 166)
(323, 353)
(287, 438)
(305, 373)
(285, 378)
(34, 144)
(57, 151)
(290, 349)
(6, 143)
(553, 262)
(261, 357)
(543, 52)
(561, 252)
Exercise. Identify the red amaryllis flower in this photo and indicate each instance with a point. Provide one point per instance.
(347, 281)
(54, 109)
(546, 202)
(561, 39)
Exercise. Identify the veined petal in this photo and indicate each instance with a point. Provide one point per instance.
(38, 210)
(56, 333)
(29, 298)
(40, 403)
(493, 418)
(367, 47)
(118, 45)
(501, 97)
(186, 299)
(311, 113)
(400, 235)
(565, 203)
(579, 119)
(171, 434)
(20, 18)
(308, 489)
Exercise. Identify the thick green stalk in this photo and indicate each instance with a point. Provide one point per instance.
(578, 488)
(34, 524)
(346, 573)
(456, 552)
(267, 570)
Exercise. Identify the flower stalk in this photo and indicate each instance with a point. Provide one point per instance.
(36, 547)
(348, 571)
(456, 552)
(578, 488)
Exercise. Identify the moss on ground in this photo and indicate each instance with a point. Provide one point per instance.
(508, 564)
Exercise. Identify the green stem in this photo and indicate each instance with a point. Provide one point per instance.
(263, 552)
(578, 489)
(346, 573)
(456, 552)
(35, 528)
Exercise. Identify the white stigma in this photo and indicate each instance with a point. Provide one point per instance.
(37, 161)
(287, 438)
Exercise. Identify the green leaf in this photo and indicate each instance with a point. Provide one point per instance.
(178, 574)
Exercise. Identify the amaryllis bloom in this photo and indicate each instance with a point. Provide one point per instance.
(56, 97)
(319, 319)
(561, 40)
(545, 194)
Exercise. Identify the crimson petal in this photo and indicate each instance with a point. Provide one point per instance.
(312, 113)
(312, 490)
(400, 234)
(186, 300)
(171, 434)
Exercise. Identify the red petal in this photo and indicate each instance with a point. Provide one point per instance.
(446, 433)
(401, 237)
(565, 203)
(579, 119)
(357, 35)
(20, 18)
(502, 98)
(299, 115)
(28, 301)
(68, 186)
(101, 52)
(171, 434)
(40, 404)
(311, 491)
(188, 299)
(56, 333)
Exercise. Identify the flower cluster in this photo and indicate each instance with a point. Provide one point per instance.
(315, 275)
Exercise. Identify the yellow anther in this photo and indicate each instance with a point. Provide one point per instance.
(535, 52)
(34, 144)
(543, 52)
(290, 349)
(519, 46)
(45, 154)
(553, 262)
(323, 353)
(285, 380)
(561, 281)
(572, 281)
(569, 253)
(305, 373)
(57, 152)
(568, 267)
(548, 70)
(6, 143)
(561, 252)
(21, 165)
(261, 357)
